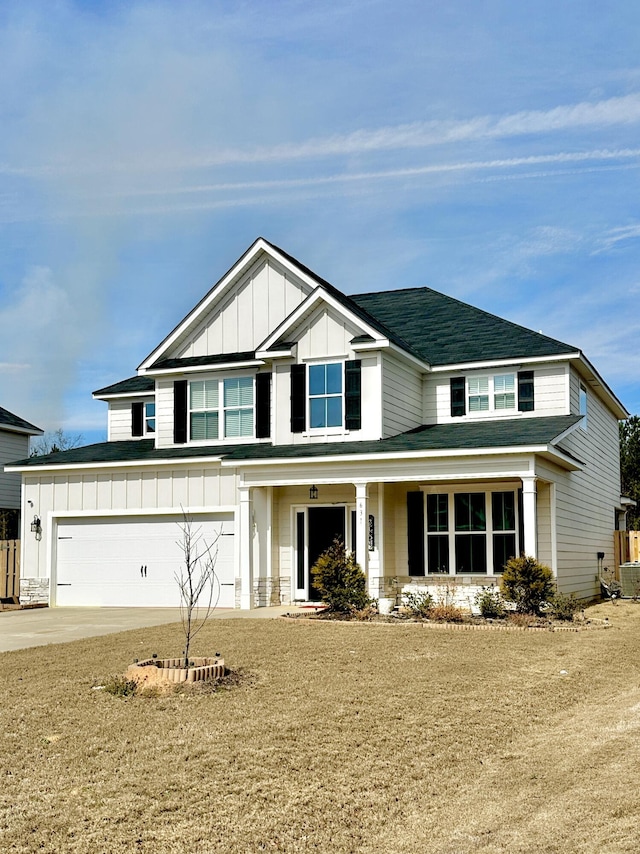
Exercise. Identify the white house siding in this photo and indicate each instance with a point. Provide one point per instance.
(251, 309)
(544, 524)
(586, 500)
(550, 389)
(119, 422)
(164, 412)
(13, 447)
(326, 335)
(401, 396)
(106, 491)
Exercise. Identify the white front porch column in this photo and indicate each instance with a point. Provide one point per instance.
(245, 549)
(529, 516)
(362, 527)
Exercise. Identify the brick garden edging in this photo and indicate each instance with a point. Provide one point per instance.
(154, 670)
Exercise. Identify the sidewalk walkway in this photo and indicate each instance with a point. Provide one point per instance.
(41, 626)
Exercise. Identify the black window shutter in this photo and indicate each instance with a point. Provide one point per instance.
(458, 404)
(415, 532)
(353, 394)
(180, 412)
(263, 406)
(526, 399)
(298, 398)
(137, 419)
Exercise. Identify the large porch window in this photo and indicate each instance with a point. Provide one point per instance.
(466, 533)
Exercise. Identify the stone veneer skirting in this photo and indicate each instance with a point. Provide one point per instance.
(34, 591)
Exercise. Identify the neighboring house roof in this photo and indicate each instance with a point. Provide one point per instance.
(507, 433)
(445, 331)
(133, 385)
(9, 421)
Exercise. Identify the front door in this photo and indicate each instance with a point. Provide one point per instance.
(325, 525)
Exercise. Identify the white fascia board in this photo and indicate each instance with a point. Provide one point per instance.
(199, 369)
(141, 511)
(24, 431)
(218, 291)
(567, 432)
(504, 363)
(270, 355)
(385, 344)
(586, 369)
(317, 296)
(123, 395)
(116, 464)
(548, 450)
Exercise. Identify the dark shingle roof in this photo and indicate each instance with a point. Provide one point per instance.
(133, 385)
(8, 420)
(198, 361)
(445, 331)
(508, 433)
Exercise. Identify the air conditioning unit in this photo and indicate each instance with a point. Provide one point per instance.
(630, 579)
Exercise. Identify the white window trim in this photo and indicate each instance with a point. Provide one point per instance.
(340, 430)
(492, 410)
(146, 418)
(451, 533)
(221, 409)
(583, 398)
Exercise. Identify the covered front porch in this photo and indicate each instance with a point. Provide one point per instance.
(422, 529)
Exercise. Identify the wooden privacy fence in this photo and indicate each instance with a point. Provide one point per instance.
(626, 547)
(9, 570)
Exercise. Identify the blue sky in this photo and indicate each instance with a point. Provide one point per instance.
(489, 150)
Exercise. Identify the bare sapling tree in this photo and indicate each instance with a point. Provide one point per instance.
(197, 580)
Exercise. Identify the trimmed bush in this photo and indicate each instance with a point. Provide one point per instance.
(418, 604)
(563, 607)
(490, 603)
(339, 580)
(527, 583)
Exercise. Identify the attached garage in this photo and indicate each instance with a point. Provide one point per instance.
(128, 561)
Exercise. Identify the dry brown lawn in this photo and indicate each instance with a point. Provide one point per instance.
(348, 738)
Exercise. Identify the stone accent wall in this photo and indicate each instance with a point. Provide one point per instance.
(34, 591)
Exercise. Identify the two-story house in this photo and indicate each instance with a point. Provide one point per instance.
(15, 434)
(435, 439)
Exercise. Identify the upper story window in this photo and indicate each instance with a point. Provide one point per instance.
(150, 418)
(143, 418)
(583, 405)
(221, 408)
(325, 395)
(492, 393)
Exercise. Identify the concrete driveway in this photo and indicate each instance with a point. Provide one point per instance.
(41, 626)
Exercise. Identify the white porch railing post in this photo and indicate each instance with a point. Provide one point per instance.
(245, 548)
(529, 514)
(362, 527)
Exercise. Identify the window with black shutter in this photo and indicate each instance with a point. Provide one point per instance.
(298, 398)
(458, 406)
(525, 391)
(137, 419)
(180, 412)
(415, 532)
(353, 394)
(263, 406)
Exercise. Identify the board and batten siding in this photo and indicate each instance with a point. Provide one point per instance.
(96, 492)
(550, 390)
(13, 447)
(401, 396)
(248, 313)
(586, 500)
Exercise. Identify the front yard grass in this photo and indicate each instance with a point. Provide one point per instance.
(345, 738)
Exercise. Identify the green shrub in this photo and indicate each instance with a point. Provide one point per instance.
(490, 603)
(339, 580)
(418, 604)
(527, 583)
(563, 607)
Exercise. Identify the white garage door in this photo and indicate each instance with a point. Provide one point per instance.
(133, 561)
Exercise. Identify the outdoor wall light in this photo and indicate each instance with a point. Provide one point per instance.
(313, 492)
(36, 527)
